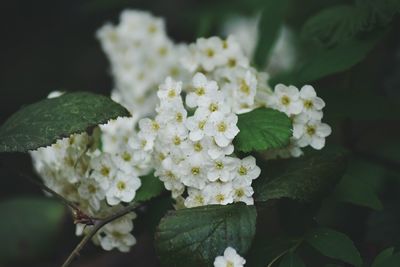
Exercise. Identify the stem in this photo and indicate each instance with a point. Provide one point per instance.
(97, 226)
(52, 192)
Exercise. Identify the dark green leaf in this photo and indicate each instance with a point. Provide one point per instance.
(357, 186)
(384, 255)
(262, 129)
(194, 237)
(28, 228)
(342, 22)
(291, 259)
(325, 62)
(335, 245)
(391, 261)
(42, 123)
(268, 29)
(304, 179)
(151, 187)
(268, 250)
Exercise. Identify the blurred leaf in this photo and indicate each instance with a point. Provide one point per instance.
(151, 187)
(324, 62)
(42, 123)
(29, 228)
(263, 129)
(291, 259)
(342, 22)
(304, 179)
(268, 29)
(390, 261)
(384, 255)
(265, 251)
(357, 185)
(335, 245)
(195, 236)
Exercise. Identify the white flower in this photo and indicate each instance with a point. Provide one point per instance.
(310, 132)
(222, 127)
(117, 235)
(202, 88)
(233, 53)
(122, 189)
(222, 169)
(229, 259)
(218, 193)
(215, 151)
(210, 53)
(195, 198)
(193, 171)
(212, 104)
(196, 124)
(91, 190)
(247, 170)
(312, 104)
(103, 169)
(287, 99)
(242, 191)
(170, 91)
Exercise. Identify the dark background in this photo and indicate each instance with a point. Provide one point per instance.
(50, 45)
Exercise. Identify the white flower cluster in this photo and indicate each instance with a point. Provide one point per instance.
(193, 155)
(141, 56)
(230, 259)
(98, 181)
(304, 107)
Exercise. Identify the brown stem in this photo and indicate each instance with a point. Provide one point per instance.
(97, 226)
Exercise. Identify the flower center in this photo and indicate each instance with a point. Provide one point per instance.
(244, 87)
(105, 171)
(213, 107)
(219, 165)
(198, 147)
(219, 198)
(285, 100)
(242, 170)
(199, 199)
(155, 126)
(126, 156)
(179, 117)
(232, 62)
(201, 124)
(221, 127)
(121, 185)
(310, 130)
(200, 91)
(92, 189)
(308, 104)
(171, 93)
(195, 170)
(239, 192)
(210, 52)
(176, 141)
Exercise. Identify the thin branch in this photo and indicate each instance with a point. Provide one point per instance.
(97, 226)
(52, 192)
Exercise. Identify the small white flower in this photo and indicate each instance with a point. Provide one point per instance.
(312, 104)
(247, 170)
(242, 191)
(117, 235)
(193, 172)
(222, 127)
(196, 124)
(122, 189)
(287, 99)
(170, 91)
(195, 198)
(233, 53)
(222, 169)
(310, 132)
(229, 259)
(104, 169)
(218, 193)
(214, 103)
(210, 53)
(202, 88)
(91, 190)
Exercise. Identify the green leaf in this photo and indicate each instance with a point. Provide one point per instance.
(268, 29)
(304, 179)
(150, 188)
(266, 250)
(291, 259)
(384, 255)
(324, 62)
(355, 189)
(335, 245)
(194, 237)
(390, 261)
(342, 22)
(42, 123)
(28, 228)
(262, 129)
